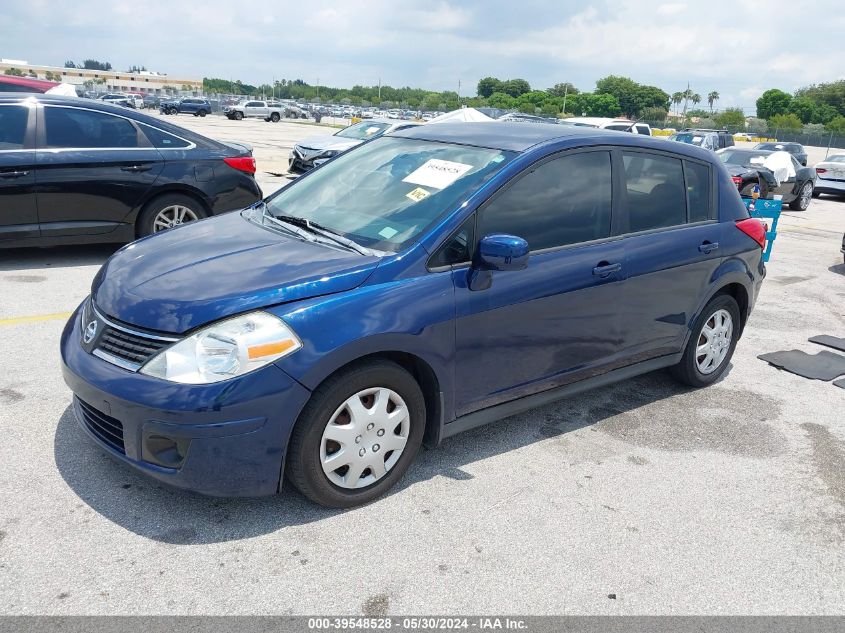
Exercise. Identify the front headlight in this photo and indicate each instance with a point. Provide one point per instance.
(224, 350)
(329, 153)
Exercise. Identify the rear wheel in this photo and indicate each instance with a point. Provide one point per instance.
(202, 112)
(168, 211)
(804, 196)
(357, 435)
(711, 344)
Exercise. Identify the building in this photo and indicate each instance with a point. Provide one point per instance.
(144, 82)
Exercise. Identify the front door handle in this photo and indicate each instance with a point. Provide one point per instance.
(13, 174)
(136, 168)
(708, 247)
(604, 269)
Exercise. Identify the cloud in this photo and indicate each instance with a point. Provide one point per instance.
(436, 43)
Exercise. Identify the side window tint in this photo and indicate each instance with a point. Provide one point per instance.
(566, 200)
(655, 187)
(458, 248)
(13, 121)
(698, 191)
(161, 139)
(69, 127)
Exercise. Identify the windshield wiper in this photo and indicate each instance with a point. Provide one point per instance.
(290, 227)
(319, 229)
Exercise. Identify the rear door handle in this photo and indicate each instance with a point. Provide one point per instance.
(604, 269)
(136, 168)
(708, 247)
(13, 174)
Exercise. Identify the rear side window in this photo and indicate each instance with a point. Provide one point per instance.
(70, 127)
(566, 200)
(698, 191)
(655, 189)
(163, 140)
(13, 121)
(642, 129)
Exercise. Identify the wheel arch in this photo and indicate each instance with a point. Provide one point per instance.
(174, 188)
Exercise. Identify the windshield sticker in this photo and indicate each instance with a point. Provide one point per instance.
(437, 173)
(417, 194)
(387, 232)
(372, 130)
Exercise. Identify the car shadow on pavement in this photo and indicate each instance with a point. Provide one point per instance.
(55, 256)
(173, 516)
(838, 268)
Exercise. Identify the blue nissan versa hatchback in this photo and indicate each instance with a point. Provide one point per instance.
(425, 283)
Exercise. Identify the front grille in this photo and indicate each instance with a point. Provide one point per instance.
(133, 348)
(104, 427)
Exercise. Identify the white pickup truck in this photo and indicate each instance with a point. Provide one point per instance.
(255, 110)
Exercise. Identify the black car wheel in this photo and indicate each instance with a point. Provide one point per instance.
(239, 116)
(357, 435)
(168, 211)
(711, 343)
(275, 117)
(804, 196)
(202, 113)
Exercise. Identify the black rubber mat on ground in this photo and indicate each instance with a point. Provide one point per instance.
(840, 383)
(822, 366)
(830, 341)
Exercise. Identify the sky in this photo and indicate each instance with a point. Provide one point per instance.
(736, 47)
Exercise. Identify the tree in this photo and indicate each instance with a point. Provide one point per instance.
(696, 99)
(501, 100)
(832, 94)
(804, 108)
(757, 126)
(14, 72)
(70, 64)
(825, 113)
(836, 125)
(677, 97)
(788, 122)
(712, 98)
(515, 87)
(93, 64)
(559, 90)
(658, 115)
(631, 96)
(488, 86)
(773, 102)
(731, 118)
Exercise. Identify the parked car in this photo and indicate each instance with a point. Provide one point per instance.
(742, 164)
(252, 109)
(830, 175)
(422, 284)
(708, 139)
(95, 172)
(192, 105)
(605, 123)
(518, 117)
(796, 149)
(316, 150)
(118, 99)
(151, 101)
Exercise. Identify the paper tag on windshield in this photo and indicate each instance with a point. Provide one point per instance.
(372, 130)
(437, 173)
(417, 194)
(388, 232)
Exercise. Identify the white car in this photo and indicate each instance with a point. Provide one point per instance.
(830, 176)
(605, 123)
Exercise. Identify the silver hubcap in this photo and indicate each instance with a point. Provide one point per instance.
(171, 216)
(365, 438)
(714, 342)
(806, 194)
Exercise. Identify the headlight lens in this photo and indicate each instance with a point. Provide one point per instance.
(329, 153)
(225, 350)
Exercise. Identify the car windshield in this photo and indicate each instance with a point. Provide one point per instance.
(742, 157)
(688, 137)
(362, 131)
(383, 194)
(835, 159)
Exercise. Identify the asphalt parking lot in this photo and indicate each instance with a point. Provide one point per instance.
(644, 497)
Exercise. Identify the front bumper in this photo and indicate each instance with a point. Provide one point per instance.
(225, 439)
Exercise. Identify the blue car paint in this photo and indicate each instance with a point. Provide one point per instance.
(344, 306)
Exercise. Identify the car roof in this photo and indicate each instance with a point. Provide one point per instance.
(520, 137)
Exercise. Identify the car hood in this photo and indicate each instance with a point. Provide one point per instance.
(204, 271)
(327, 142)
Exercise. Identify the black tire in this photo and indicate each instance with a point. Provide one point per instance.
(803, 200)
(687, 371)
(275, 117)
(145, 225)
(202, 113)
(304, 469)
(239, 116)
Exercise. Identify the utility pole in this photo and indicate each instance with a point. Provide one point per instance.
(565, 91)
(379, 90)
(318, 90)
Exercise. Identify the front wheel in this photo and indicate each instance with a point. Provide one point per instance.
(804, 197)
(202, 113)
(711, 344)
(275, 117)
(239, 116)
(357, 435)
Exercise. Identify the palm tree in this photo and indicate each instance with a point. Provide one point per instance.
(687, 96)
(677, 97)
(712, 98)
(696, 99)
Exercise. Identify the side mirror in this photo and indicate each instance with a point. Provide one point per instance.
(502, 252)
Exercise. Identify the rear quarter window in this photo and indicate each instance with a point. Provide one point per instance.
(162, 140)
(13, 123)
